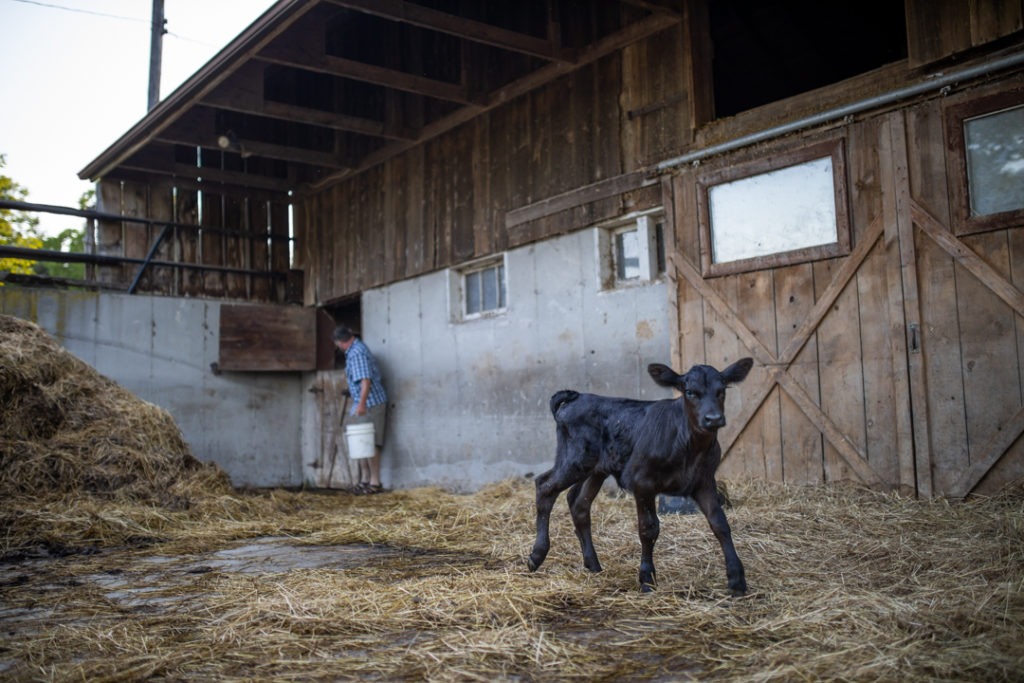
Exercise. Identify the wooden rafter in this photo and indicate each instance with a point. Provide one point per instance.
(442, 22)
(367, 73)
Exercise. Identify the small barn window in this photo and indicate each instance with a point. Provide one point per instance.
(632, 249)
(995, 161)
(986, 162)
(779, 210)
(479, 289)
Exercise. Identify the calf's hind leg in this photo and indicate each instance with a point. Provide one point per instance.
(549, 485)
(580, 497)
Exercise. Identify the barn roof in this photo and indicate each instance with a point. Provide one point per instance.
(317, 90)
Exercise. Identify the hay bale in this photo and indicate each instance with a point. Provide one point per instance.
(69, 434)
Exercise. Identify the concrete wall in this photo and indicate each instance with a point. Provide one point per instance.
(471, 398)
(161, 350)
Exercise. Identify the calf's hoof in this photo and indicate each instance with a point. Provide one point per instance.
(533, 564)
(738, 589)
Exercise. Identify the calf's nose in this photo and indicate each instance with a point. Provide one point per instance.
(714, 420)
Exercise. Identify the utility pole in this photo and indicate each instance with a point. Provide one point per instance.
(156, 47)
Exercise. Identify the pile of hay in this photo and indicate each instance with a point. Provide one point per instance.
(71, 438)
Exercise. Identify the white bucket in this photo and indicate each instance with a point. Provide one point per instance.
(359, 438)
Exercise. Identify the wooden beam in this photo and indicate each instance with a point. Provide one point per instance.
(460, 27)
(197, 128)
(266, 150)
(212, 179)
(963, 255)
(583, 195)
(244, 103)
(287, 55)
(270, 192)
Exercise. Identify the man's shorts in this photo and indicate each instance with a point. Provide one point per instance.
(378, 415)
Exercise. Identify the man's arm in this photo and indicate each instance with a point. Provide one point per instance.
(364, 394)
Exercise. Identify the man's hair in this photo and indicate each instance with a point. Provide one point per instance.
(343, 333)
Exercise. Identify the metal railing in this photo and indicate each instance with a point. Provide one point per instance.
(92, 257)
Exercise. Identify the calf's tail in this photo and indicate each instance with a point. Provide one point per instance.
(561, 398)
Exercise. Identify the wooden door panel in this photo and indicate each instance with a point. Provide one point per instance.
(819, 401)
(971, 312)
(335, 470)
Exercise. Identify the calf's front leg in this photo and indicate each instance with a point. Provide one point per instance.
(648, 526)
(707, 501)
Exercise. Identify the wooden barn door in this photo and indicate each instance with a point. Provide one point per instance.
(964, 300)
(828, 399)
(894, 364)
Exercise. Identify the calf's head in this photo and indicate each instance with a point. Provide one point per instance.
(703, 390)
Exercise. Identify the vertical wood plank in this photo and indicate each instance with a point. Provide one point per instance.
(212, 243)
(802, 454)
(161, 208)
(722, 347)
(187, 211)
(280, 247)
(259, 248)
(236, 221)
(109, 234)
(690, 335)
(755, 307)
(885, 391)
(395, 182)
(926, 276)
(669, 202)
(841, 372)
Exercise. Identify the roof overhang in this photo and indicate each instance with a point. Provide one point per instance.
(317, 90)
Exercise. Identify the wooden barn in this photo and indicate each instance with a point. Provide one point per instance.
(511, 198)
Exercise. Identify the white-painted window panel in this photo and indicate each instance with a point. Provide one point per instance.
(770, 213)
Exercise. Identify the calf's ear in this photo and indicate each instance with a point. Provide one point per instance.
(663, 375)
(737, 372)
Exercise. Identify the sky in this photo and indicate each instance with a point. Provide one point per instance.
(76, 77)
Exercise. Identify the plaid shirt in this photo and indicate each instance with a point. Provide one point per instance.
(359, 365)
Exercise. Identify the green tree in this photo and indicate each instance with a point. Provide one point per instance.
(71, 240)
(17, 228)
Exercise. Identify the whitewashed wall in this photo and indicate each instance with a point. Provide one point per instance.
(470, 399)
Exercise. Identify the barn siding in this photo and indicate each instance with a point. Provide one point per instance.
(444, 202)
(846, 405)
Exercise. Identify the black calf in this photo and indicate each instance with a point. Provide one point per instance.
(650, 447)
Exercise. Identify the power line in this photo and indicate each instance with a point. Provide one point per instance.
(107, 15)
(83, 11)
